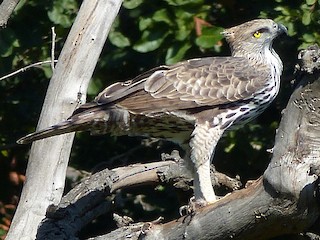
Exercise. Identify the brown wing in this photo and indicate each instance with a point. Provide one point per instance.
(194, 83)
(211, 81)
(197, 83)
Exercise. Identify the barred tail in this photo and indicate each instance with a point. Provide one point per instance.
(79, 121)
(64, 127)
(61, 128)
(98, 119)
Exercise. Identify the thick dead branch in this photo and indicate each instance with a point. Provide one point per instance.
(251, 213)
(87, 200)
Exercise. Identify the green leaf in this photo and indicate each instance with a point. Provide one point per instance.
(183, 15)
(3, 233)
(284, 10)
(309, 38)
(185, 27)
(291, 29)
(183, 2)
(210, 37)
(8, 41)
(311, 2)
(144, 23)
(150, 40)
(306, 18)
(162, 16)
(94, 87)
(47, 71)
(177, 52)
(131, 4)
(183, 33)
(4, 153)
(118, 39)
(63, 13)
(184, 21)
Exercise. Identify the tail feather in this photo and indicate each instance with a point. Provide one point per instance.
(98, 119)
(80, 121)
(61, 128)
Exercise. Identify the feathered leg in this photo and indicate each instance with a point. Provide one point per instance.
(203, 143)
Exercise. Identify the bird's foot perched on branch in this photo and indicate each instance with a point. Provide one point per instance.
(192, 206)
(148, 225)
(174, 156)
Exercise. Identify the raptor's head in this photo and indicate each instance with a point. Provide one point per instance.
(254, 35)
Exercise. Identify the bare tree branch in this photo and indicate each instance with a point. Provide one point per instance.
(27, 68)
(46, 170)
(53, 44)
(87, 201)
(51, 62)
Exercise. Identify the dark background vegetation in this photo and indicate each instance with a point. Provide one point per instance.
(145, 34)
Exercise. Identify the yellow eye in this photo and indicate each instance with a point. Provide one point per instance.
(257, 34)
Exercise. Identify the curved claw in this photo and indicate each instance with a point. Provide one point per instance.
(192, 206)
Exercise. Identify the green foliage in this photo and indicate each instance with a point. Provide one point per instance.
(132, 4)
(118, 39)
(63, 13)
(7, 44)
(163, 26)
(301, 19)
(210, 37)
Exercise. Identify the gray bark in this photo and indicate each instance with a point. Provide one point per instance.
(45, 176)
(6, 9)
(87, 200)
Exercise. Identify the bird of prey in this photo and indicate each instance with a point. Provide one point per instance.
(192, 102)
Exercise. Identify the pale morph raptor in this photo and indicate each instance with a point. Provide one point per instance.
(192, 102)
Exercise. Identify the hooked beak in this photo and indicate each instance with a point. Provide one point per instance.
(282, 29)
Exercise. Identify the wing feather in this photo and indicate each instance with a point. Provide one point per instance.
(207, 81)
(190, 84)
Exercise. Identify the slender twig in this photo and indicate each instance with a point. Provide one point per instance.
(26, 68)
(52, 61)
(53, 47)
